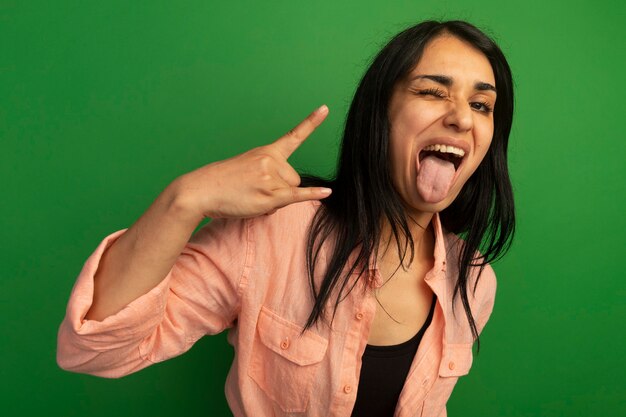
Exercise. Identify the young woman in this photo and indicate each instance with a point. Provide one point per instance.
(342, 297)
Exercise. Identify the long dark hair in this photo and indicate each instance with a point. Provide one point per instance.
(351, 220)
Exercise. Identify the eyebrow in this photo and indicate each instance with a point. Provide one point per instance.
(447, 81)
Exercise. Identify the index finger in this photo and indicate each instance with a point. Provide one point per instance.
(288, 143)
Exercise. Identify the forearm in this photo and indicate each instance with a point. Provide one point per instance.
(143, 256)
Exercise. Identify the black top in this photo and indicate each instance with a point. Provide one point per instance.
(383, 372)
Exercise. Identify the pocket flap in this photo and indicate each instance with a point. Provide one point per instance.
(456, 360)
(286, 339)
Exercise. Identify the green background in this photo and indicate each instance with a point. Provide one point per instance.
(102, 104)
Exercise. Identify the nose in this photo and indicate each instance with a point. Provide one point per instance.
(459, 117)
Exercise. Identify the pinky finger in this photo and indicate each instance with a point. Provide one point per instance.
(310, 193)
(290, 195)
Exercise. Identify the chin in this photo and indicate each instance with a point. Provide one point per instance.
(417, 204)
(418, 207)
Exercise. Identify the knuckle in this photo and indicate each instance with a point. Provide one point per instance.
(264, 161)
(265, 177)
(294, 194)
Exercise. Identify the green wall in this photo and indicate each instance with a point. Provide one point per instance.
(102, 104)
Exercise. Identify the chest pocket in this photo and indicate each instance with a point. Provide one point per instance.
(285, 360)
(456, 361)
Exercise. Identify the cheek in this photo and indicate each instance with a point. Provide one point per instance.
(400, 156)
(481, 151)
(412, 119)
(405, 129)
(401, 160)
(485, 136)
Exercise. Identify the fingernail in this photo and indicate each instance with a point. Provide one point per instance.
(326, 191)
(323, 109)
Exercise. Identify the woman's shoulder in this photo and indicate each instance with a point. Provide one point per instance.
(293, 218)
(485, 275)
(282, 227)
(481, 282)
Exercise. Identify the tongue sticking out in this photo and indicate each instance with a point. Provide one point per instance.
(434, 178)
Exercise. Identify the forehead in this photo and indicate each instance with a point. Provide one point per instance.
(448, 55)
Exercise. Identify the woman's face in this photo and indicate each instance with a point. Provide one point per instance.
(447, 99)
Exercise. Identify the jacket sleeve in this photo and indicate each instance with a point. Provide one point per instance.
(200, 295)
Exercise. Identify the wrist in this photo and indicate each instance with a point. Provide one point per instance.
(181, 201)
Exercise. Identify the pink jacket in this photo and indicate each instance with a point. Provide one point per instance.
(249, 276)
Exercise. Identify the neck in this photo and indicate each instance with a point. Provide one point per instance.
(421, 232)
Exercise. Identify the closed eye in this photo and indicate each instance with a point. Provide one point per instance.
(432, 92)
(481, 106)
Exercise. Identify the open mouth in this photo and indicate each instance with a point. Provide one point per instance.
(444, 152)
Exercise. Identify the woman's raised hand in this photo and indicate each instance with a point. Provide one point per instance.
(256, 182)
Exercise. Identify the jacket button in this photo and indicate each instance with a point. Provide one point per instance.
(347, 389)
(451, 365)
(285, 343)
(359, 316)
